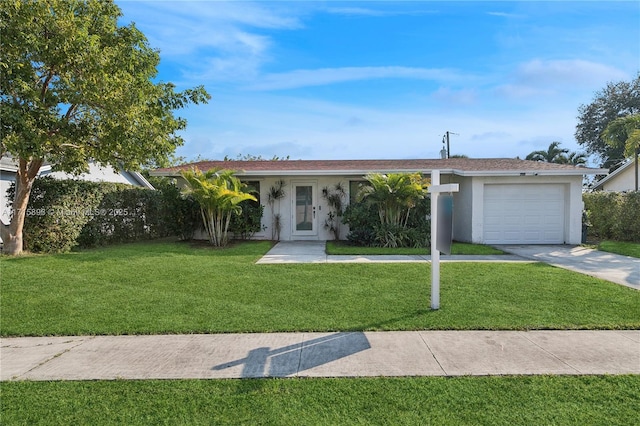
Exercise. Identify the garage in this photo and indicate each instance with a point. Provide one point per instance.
(524, 214)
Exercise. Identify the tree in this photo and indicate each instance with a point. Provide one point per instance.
(624, 132)
(576, 158)
(219, 194)
(614, 101)
(77, 87)
(394, 195)
(553, 154)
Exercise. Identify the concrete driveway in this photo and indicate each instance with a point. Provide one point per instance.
(616, 268)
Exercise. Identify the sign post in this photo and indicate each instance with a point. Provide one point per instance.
(436, 228)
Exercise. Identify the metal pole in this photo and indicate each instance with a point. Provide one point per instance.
(435, 254)
(637, 155)
(448, 150)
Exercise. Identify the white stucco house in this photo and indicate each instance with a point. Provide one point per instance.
(501, 201)
(622, 179)
(96, 173)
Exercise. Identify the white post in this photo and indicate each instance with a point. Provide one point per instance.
(435, 254)
(434, 190)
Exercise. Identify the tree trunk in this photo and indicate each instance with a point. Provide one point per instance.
(12, 233)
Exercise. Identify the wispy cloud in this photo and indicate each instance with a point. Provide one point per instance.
(324, 76)
(545, 77)
(506, 15)
(369, 12)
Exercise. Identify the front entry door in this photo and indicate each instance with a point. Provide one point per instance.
(304, 220)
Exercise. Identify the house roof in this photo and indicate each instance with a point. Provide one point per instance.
(457, 166)
(9, 165)
(617, 172)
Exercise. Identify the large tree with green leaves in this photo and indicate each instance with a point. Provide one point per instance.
(624, 132)
(219, 194)
(77, 87)
(614, 101)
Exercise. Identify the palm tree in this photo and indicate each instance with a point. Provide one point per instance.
(576, 158)
(553, 154)
(625, 131)
(219, 194)
(394, 195)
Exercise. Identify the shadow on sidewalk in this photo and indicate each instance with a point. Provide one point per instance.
(291, 359)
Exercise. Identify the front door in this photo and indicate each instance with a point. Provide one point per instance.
(304, 220)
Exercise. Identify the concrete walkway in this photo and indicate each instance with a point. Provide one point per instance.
(408, 353)
(612, 267)
(314, 252)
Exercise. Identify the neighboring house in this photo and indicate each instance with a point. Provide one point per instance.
(501, 201)
(96, 173)
(622, 179)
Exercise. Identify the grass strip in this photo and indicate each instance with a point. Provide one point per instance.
(167, 288)
(621, 247)
(343, 248)
(558, 400)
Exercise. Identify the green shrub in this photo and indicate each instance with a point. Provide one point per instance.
(57, 212)
(365, 228)
(63, 214)
(614, 215)
(249, 221)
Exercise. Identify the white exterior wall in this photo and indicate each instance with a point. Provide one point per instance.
(462, 207)
(573, 202)
(625, 181)
(285, 206)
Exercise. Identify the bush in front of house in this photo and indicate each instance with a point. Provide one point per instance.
(63, 214)
(614, 215)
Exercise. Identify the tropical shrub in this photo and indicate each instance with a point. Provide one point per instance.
(614, 215)
(391, 211)
(335, 197)
(219, 195)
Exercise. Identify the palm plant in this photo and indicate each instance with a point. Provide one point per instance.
(219, 194)
(276, 192)
(393, 194)
(335, 198)
(576, 158)
(554, 154)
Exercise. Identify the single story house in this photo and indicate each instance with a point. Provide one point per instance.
(96, 173)
(501, 201)
(622, 179)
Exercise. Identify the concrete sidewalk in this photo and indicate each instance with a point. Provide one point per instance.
(408, 353)
(612, 267)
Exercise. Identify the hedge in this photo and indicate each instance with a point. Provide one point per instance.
(614, 215)
(63, 214)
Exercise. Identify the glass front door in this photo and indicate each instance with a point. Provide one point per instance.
(304, 209)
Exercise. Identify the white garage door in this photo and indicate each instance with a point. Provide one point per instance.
(524, 214)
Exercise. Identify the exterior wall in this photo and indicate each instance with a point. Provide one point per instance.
(624, 181)
(573, 202)
(285, 206)
(6, 178)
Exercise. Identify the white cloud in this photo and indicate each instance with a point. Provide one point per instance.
(324, 76)
(537, 78)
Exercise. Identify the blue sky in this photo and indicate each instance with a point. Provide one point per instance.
(369, 79)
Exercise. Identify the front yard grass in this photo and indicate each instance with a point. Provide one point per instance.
(343, 248)
(621, 247)
(167, 287)
(524, 400)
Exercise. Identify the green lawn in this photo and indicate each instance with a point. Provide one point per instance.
(342, 248)
(529, 400)
(620, 247)
(166, 287)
